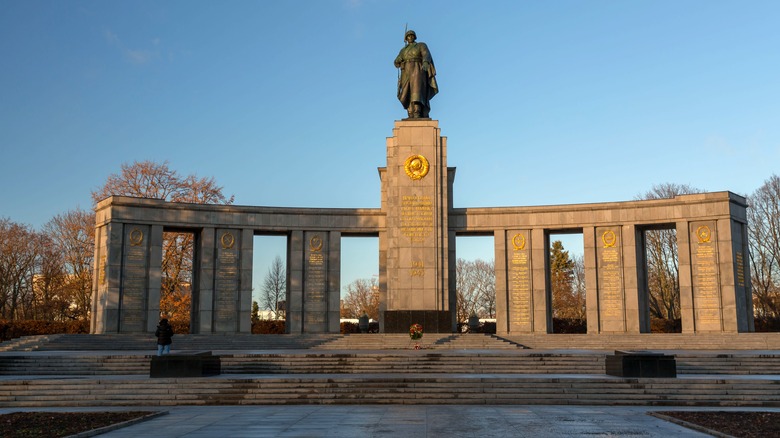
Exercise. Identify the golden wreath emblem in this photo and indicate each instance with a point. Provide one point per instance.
(704, 234)
(228, 240)
(136, 237)
(518, 241)
(315, 243)
(609, 238)
(416, 167)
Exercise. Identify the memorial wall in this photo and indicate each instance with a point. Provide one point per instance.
(417, 226)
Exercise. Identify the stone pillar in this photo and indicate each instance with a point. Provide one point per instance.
(135, 279)
(590, 242)
(541, 301)
(415, 187)
(315, 281)
(685, 276)
(227, 280)
(245, 276)
(203, 295)
(635, 316)
(155, 277)
(334, 283)
(708, 305)
(295, 260)
(609, 271)
(502, 288)
(107, 278)
(519, 279)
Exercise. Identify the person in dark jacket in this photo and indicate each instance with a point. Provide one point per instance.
(164, 334)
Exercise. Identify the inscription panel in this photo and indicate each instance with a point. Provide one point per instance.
(416, 217)
(315, 293)
(706, 282)
(226, 280)
(519, 281)
(135, 278)
(609, 268)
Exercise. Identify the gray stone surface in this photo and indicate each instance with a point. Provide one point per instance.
(403, 421)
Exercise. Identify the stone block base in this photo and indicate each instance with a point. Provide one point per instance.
(194, 364)
(433, 321)
(640, 364)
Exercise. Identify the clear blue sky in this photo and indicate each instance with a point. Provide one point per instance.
(288, 103)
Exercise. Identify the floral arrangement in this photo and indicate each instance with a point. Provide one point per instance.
(415, 332)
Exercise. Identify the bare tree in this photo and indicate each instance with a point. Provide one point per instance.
(362, 297)
(274, 290)
(147, 179)
(20, 248)
(663, 278)
(476, 289)
(764, 240)
(73, 237)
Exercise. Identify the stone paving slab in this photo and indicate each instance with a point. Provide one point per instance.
(404, 421)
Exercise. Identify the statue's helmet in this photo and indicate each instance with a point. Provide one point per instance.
(410, 32)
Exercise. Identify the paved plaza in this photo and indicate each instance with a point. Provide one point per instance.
(402, 421)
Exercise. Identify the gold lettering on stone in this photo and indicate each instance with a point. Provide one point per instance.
(706, 285)
(610, 277)
(519, 279)
(418, 269)
(102, 270)
(740, 269)
(416, 217)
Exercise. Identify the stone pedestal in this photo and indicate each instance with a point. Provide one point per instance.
(416, 200)
(194, 364)
(640, 364)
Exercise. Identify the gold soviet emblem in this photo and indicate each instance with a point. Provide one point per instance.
(704, 234)
(228, 240)
(315, 243)
(136, 237)
(416, 167)
(609, 238)
(518, 241)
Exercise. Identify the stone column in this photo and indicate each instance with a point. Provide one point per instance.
(245, 276)
(636, 319)
(107, 278)
(519, 280)
(155, 277)
(540, 276)
(502, 289)
(609, 267)
(334, 283)
(707, 298)
(135, 279)
(227, 280)
(685, 276)
(203, 295)
(295, 260)
(590, 242)
(415, 186)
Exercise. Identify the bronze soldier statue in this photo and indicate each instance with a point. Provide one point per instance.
(417, 83)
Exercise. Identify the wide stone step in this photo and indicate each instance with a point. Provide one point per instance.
(651, 341)
(481, 389)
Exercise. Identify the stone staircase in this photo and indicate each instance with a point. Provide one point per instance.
(651, 341)
(401, 341)
(389, 389)
(385, 362)
(146, 341)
